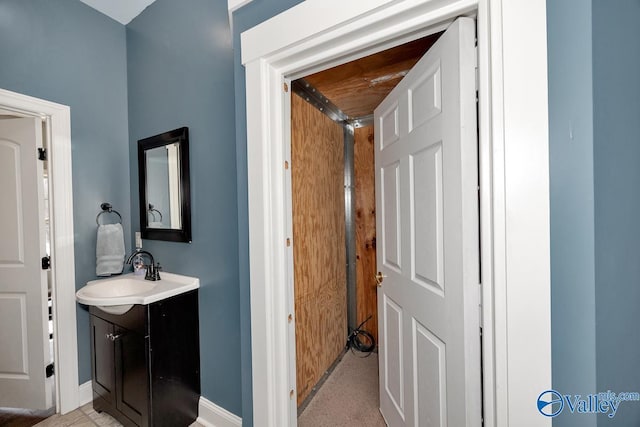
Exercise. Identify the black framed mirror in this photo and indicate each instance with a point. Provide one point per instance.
(165, 190)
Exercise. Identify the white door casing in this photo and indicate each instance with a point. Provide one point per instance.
(58, 129)
(514, 183)
(23, 282)
(427, 228)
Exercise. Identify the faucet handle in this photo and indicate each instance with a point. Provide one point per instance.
(150, 273)
(156, 271)
(153, 272)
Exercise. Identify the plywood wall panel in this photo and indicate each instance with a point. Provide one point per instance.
(365, 225)
(317, 172)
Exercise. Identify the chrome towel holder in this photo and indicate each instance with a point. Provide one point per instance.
(152, 211)
(106, 208)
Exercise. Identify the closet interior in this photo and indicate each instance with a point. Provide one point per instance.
(334, 205)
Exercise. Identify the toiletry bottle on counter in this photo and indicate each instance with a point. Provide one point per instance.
(138, 265)
(138, 260)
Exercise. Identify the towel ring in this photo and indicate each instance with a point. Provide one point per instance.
(152, 210)
(106, 208)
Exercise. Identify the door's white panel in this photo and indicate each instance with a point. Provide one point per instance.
(12, 247)
(14, 362)
(429, 381)
(427, 217)
(389, 131)
(425, 98)
(393, 370)
(391, 216)
(436, 154)
(24, 338)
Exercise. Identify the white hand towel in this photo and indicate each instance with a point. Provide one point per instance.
(109, 250)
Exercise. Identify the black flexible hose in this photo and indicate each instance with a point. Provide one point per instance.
(361, 340)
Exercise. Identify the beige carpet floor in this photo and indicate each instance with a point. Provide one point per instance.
(349, 397)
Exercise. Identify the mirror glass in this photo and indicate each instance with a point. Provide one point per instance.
(163, 162)
(163, 186)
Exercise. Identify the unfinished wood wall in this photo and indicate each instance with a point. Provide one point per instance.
(317, 168)
(365, 225)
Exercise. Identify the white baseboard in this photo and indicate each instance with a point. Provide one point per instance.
(85, 393)
(212, 415)
(209, 414)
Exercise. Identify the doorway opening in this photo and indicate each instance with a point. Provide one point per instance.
(58, 368)
(334, 224)
(513, 174)
(9, 122)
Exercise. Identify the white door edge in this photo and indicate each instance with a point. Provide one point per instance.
(62, 239)
(513, 126)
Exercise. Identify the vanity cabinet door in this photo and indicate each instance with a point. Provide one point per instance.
(102, 359)
(132, 378)
(146, 362)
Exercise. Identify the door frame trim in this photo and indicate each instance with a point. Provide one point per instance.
(58, 118)
(514, 178)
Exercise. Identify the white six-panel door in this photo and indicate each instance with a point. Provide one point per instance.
(427, 226)
(24, 349)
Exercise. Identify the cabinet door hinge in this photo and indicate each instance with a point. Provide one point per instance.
(49, 371)
(42, 154)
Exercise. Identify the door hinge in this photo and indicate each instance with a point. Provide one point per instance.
(49, 370)
(46, 262)
(285, 87)
(42, 154)
(475, 65)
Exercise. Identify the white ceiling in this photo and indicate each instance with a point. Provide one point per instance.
(122, 11)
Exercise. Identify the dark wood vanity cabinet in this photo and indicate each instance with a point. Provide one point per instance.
(146, 362)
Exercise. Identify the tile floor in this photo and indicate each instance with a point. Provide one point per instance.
(84, 416)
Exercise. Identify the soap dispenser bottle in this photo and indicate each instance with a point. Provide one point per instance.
(138, 260)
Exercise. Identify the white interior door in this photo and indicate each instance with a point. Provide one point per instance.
(427, 199)
(24, 348)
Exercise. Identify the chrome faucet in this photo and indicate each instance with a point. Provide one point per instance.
(153, 270)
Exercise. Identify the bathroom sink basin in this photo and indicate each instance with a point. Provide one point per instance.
(116, 295)
(120, 287)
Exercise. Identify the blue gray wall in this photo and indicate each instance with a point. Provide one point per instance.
(616, 96)
(572, 202)
(180, 73)
(594, 110)
(243, 19)
(66, 52)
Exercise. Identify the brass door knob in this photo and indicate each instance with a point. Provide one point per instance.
(379, 278)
